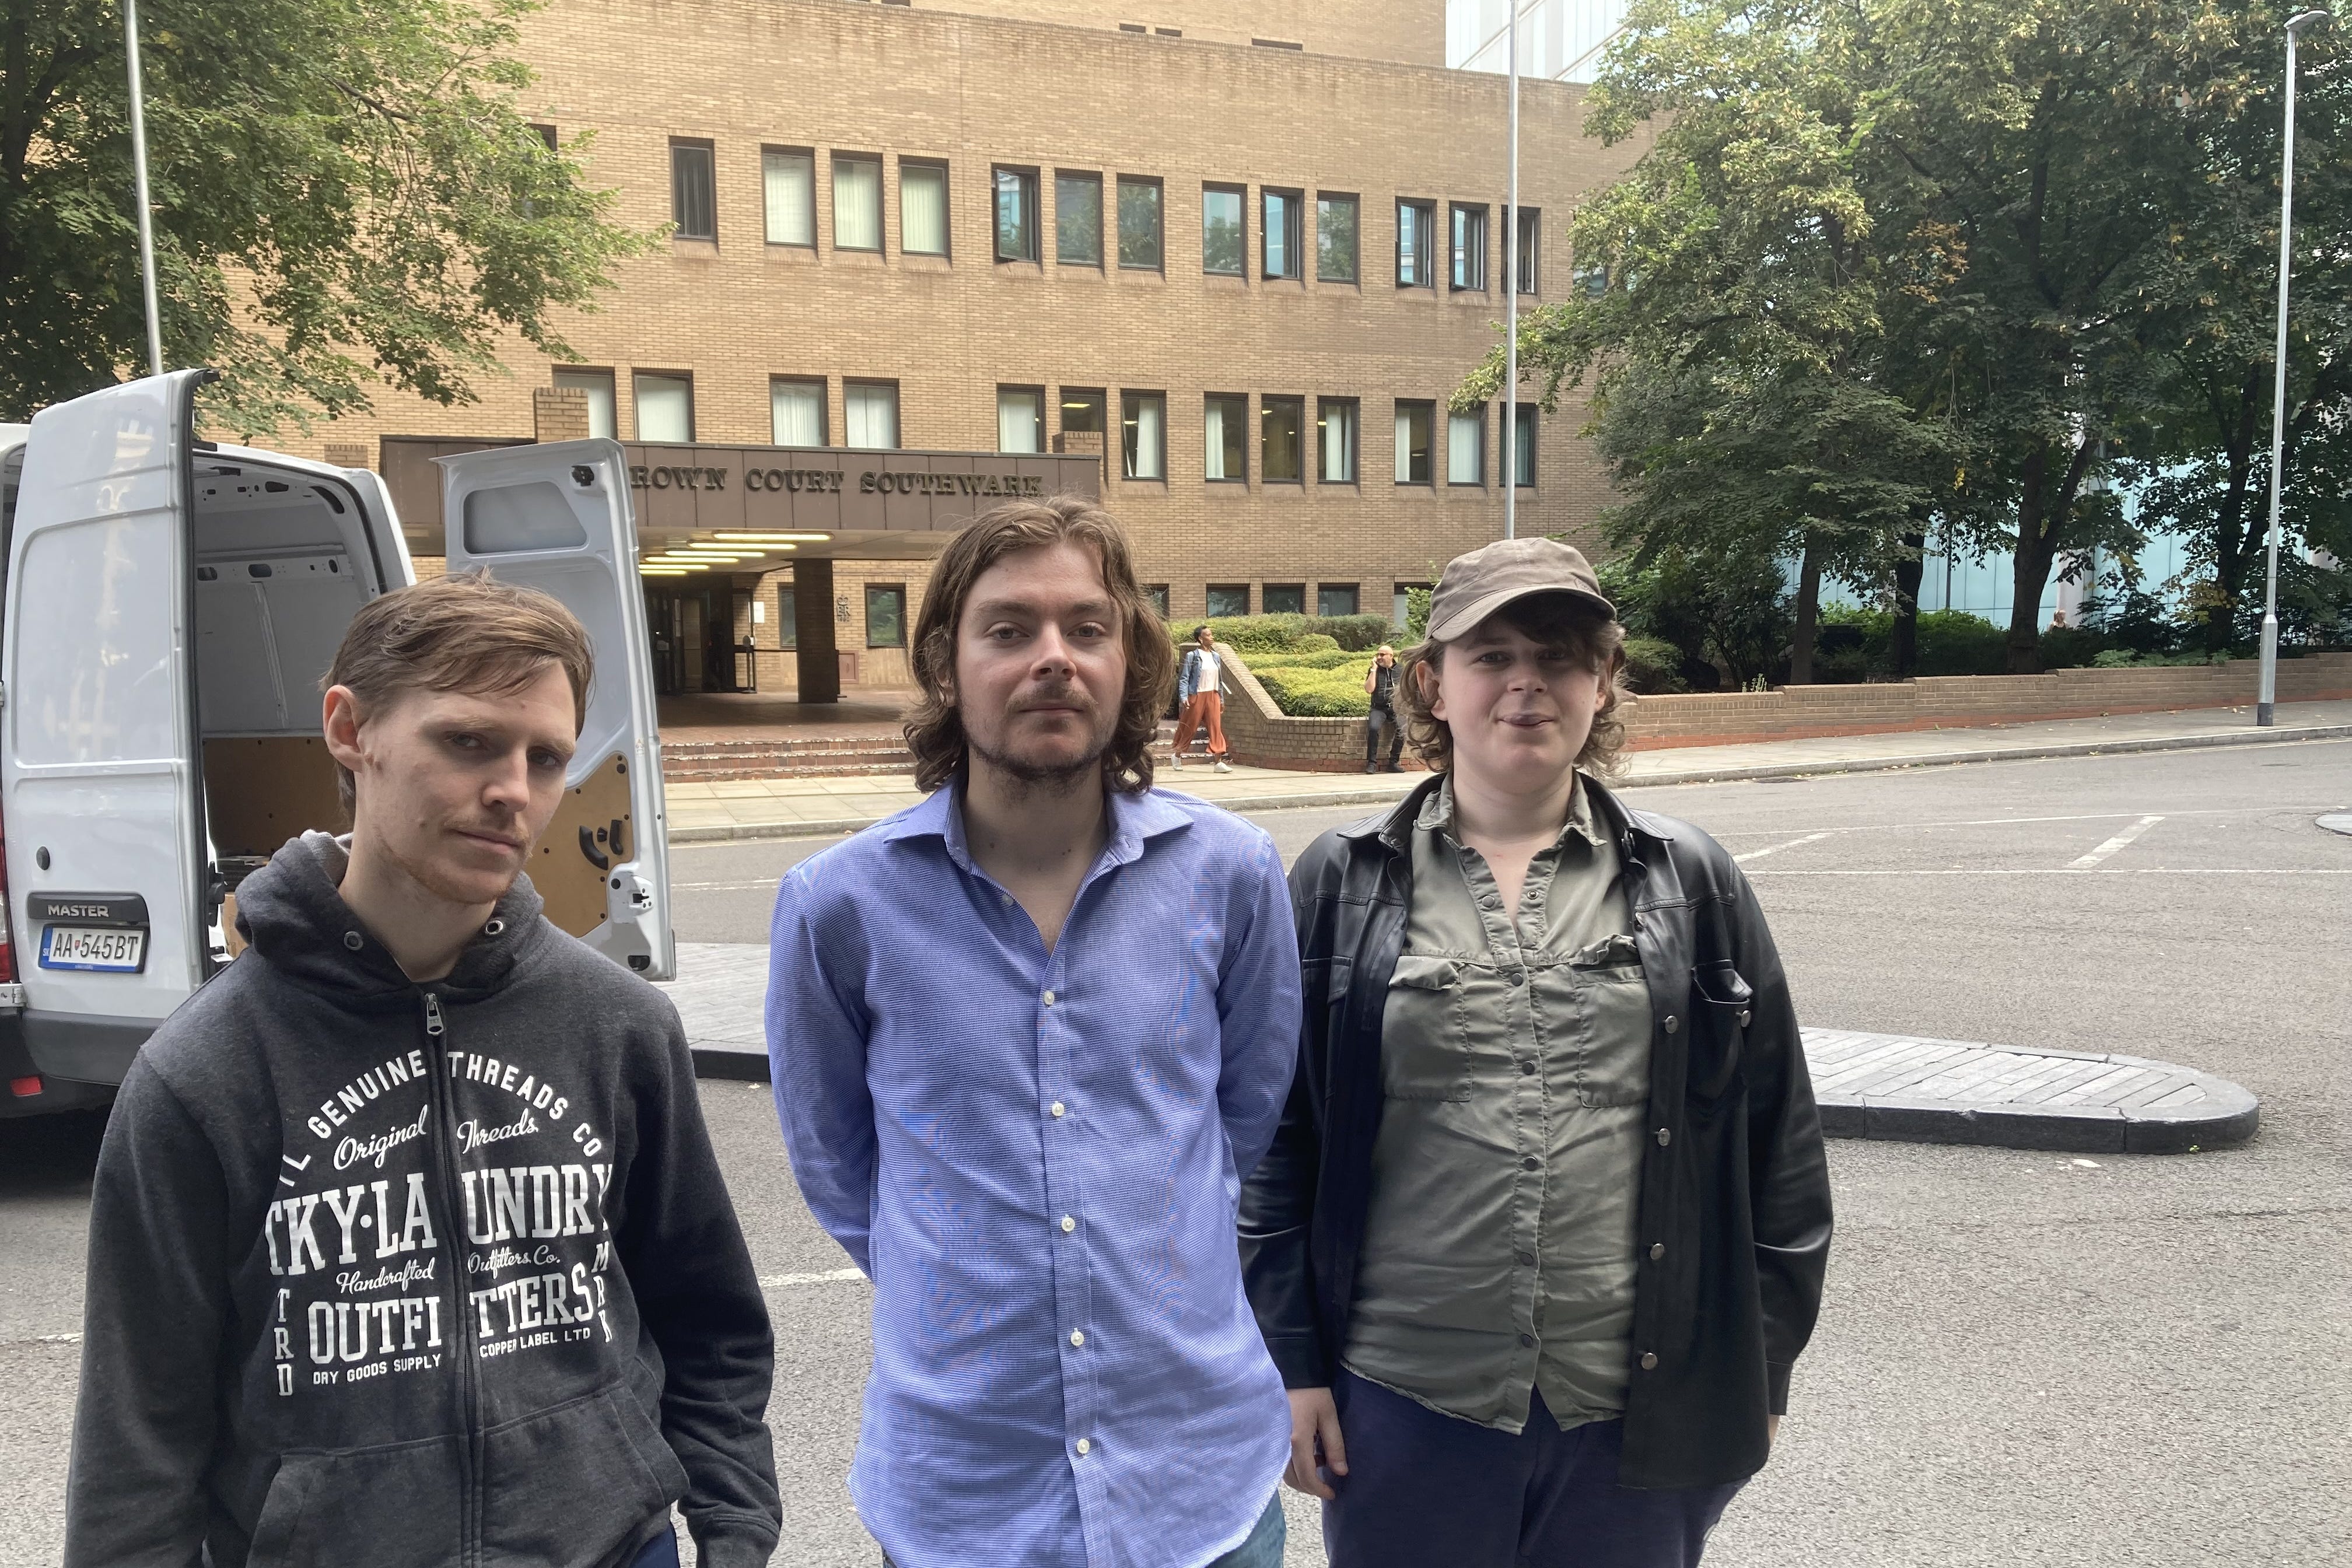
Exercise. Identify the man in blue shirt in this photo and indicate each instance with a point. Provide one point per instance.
(1028, 1037)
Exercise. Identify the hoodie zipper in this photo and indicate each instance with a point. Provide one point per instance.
(446, 1111)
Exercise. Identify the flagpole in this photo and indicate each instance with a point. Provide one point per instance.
(1510, 442)
(139, 181)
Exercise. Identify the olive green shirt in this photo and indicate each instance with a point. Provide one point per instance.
(1498, 1250)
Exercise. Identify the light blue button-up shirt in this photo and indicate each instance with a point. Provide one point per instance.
(1037, 1159)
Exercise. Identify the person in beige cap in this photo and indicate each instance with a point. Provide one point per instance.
(1544, 1229)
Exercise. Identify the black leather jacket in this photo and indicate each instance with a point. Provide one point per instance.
(1735, 1201)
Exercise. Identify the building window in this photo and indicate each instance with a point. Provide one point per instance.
(1401, 603)
(1078, 219)
(788, 623)
(857, 203)
(693, 197)
(872, 411)
(1158, 594)
(1335, 238)
(546, 133)
(1020, 418)
(1530, 232)
(1523, 446)
(1335, 440)
(922, 208)
(1279, 420)
(1416, 234)
(1138, 224)
(1590, 279)
(1281, 231)
(1412, 420)
(1283, 599)
(598, 386)
(1466, 447)
(1226, 599)
(886, 614)
(790, 180)
(1016, 214)
(664, 407)
(1082, 411)
(796, 411)
(1143, 434)
(1225, 438)
(1337, 598)
(1222, 229)
(1469, 248)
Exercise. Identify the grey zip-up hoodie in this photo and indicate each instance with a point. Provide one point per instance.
(384, 1274)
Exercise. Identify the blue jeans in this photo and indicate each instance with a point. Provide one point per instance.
(661, 1552)
(1262, 1549)
(1422, 1488)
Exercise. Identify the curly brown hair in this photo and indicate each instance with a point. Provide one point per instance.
(1553, 620)
(934, 730)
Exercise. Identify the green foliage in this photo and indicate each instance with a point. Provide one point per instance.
(1287, 633)
(1305, 693)
(1860, 644)
(1416, 617)
(1728, 617)
(345, 192)
(1654, 665)
(1317, 658)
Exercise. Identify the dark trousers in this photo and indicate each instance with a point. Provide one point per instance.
(1424, 1488)
(1374, 722)
(661, 1552)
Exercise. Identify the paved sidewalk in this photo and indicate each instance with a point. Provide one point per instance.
(797, 807)
(1888, 1086)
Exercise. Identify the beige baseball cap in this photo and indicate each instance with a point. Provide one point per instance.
(1475, 586)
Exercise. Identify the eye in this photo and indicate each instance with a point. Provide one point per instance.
(543, 758)
(464, 740)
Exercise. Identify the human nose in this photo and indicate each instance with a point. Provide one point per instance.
(508, 787)
(1052, 653)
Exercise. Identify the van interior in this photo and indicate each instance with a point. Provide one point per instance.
(283, 559)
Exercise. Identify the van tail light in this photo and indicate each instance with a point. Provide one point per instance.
(7, 937)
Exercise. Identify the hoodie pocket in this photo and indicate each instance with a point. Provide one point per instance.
(567, 1485)
(361, 1508)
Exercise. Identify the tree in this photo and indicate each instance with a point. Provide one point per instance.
(344, 192)
(1963, 206)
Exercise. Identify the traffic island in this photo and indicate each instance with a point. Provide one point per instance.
(1909, 1090)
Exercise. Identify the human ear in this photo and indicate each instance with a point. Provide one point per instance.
(339, 719)
(1433, 694)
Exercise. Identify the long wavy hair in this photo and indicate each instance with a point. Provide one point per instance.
(1554, 621)
(935, 731)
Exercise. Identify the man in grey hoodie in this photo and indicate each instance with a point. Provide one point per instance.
(407, 1243)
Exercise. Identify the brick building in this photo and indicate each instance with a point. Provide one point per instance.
(1242, 249)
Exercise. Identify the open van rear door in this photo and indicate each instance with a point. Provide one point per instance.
(557, 517)
(105, 836)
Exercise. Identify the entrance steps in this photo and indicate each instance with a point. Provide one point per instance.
(773, 757)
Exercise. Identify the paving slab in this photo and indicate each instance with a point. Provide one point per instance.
(1901, 1088)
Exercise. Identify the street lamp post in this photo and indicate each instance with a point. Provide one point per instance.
(1511, 444)
(138, 186)
(2266, 700)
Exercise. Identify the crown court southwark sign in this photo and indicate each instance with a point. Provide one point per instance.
(702, 487)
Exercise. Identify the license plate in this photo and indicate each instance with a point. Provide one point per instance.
(92, 947)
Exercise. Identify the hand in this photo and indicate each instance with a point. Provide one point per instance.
(1315, 1426)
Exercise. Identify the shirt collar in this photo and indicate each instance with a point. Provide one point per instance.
(1133, 819)
(1437, 813)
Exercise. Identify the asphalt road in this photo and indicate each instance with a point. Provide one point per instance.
(2023, 1358)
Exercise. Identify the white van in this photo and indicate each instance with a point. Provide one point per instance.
(169, 607)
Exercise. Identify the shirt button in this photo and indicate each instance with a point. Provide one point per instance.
(1070, 1223)
(1085, 1446)
(1526, 1067)
(1649, 1360)
(1049, 998)
(1672, 1023)
(1531, 1164)
(1057, 1108)
(1527, 1340)
(1665, 1136)
(1657, 1248)
(1519, 977)
(1527, 1260)
(1077, 1338)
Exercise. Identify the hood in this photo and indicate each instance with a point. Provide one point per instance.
(293, 914)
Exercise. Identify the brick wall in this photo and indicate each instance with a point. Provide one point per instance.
(973, 92)
(1260, 734)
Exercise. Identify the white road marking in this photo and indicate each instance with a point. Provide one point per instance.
(1776, 849)
(2121, 840)
(830, 1276)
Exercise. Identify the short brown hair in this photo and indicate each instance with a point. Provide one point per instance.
(1555, 621)
(468, 633)
(934, 730)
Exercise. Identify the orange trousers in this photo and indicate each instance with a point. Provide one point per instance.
(1205, 707)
